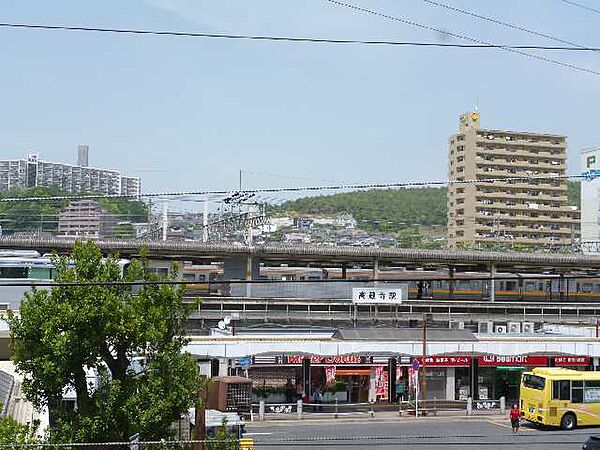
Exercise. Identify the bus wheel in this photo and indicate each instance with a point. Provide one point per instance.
(568, 422)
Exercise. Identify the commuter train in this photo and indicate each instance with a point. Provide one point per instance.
(205, 279)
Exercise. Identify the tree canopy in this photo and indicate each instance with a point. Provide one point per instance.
(42, 215)
(129, 337)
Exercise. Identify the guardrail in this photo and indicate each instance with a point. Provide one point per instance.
(299, 410)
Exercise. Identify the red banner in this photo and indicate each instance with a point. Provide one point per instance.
(330, 360)
(561, 361)
(445, 361)
(512, 360)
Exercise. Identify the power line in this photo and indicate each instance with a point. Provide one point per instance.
(462, 36)
(581, 5)
(336, 187)
(503, 23)
(310, 40)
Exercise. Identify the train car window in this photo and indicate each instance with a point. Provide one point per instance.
(511, 285)
(541, 287)
(188, 277)
(13, 272)
(202, 277)
(39, 273)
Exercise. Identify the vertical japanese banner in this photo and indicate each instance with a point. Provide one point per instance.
(381, 382)
(329, 375)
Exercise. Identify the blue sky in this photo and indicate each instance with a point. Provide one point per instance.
(188, 113)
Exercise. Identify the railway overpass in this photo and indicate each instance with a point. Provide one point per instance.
(201, 252)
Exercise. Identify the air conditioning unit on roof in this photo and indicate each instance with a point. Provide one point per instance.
(514, 327)
(528, 327)
(485, 327)
(500, 329)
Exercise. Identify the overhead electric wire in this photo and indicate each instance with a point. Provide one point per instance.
(503, 23)
(311, 40)
(336, 187)
(581, 5)
(461, 36)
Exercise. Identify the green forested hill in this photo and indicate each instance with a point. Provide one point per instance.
(384, 210)
(389, 209)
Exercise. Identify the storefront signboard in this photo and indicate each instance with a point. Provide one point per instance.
(512, 360)
(562, 361)
(331, 360)
(445, 361)
(377, 296)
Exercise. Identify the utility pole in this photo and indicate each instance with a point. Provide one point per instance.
(424, 366)
(205, 222)
(165, 220)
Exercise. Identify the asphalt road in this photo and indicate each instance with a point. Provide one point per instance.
(409, 433)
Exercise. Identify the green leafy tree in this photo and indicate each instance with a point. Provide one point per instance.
(41, 216)
(12, 432)
(61, 332)
(223, 440)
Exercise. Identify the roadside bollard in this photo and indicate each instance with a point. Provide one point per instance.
(299, 409)
(261, 410)
(469, 406)
(502, 405)
(335, 415)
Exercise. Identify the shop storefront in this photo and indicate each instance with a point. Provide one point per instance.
(346, 378)
(500, 375)
(448, 376)
(364, 378)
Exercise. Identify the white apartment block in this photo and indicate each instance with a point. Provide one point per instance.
(73, 179)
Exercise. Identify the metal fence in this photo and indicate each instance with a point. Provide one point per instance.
(300, 410)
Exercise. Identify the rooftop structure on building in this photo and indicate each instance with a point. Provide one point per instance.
(531, 211)
(32, 172)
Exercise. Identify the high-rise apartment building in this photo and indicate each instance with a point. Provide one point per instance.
(507, 211)
(31, 172)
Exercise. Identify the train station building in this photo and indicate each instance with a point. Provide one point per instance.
(383, 364)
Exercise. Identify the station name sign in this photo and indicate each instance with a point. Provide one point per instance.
(377, 296)
(512, 360)
(330, 360)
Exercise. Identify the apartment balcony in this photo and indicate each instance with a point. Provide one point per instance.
(503, 164)
(522, 196)
(566, 221)
(502, 153)
(542, 184)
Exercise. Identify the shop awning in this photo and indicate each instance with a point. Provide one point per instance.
(341, 372)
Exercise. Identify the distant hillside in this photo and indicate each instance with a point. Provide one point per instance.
(390, 209)
(384, 210)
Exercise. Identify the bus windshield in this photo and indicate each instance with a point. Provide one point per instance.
(534, 382)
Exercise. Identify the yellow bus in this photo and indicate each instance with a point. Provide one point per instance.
(560, 397)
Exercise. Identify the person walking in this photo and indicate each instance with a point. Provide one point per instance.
(317, 398)
(515, 418)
